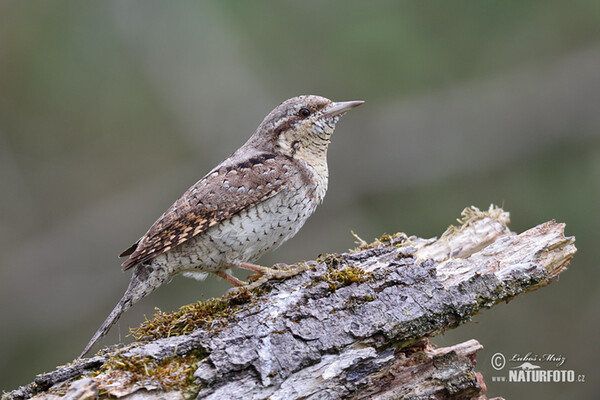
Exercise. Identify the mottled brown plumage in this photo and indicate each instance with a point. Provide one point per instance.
(209, 202)
(249, 204)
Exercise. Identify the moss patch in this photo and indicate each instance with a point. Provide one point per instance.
(214, 313)
(172, 373)
(330, 260)
(337, 278)
(398, 239)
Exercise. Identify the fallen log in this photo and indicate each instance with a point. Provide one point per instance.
(351, 325)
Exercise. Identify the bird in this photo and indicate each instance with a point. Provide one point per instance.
(249, 204)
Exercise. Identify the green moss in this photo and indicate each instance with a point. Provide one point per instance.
(385, 238)
(214, 313)
(172, 373)
(337, 278)
(330, 260)
(337, 275)
(397, 239)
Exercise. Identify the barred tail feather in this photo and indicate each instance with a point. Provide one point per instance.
(121, 307)
(144, 281)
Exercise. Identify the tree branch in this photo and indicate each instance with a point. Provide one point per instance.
(350, 325)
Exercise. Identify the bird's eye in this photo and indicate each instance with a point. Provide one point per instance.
(304, 112)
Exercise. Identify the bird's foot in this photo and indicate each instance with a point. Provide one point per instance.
(230, 278)
(277, 271)
(263, 274)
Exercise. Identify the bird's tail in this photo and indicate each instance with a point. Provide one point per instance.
(144, 281)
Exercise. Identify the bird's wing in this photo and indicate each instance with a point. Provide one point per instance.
(223, 193)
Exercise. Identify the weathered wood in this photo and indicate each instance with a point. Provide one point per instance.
(350, 326)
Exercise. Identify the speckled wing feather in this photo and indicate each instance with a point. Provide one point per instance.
(223, 193)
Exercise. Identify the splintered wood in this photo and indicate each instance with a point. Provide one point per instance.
(350, 325)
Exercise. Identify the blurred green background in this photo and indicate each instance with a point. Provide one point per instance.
(110, 110)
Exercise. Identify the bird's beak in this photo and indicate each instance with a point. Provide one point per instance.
(341, 107)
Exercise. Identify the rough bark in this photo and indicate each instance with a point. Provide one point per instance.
(351, 325)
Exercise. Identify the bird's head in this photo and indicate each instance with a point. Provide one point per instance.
(301, 127)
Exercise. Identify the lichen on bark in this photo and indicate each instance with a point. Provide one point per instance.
(345, 325)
